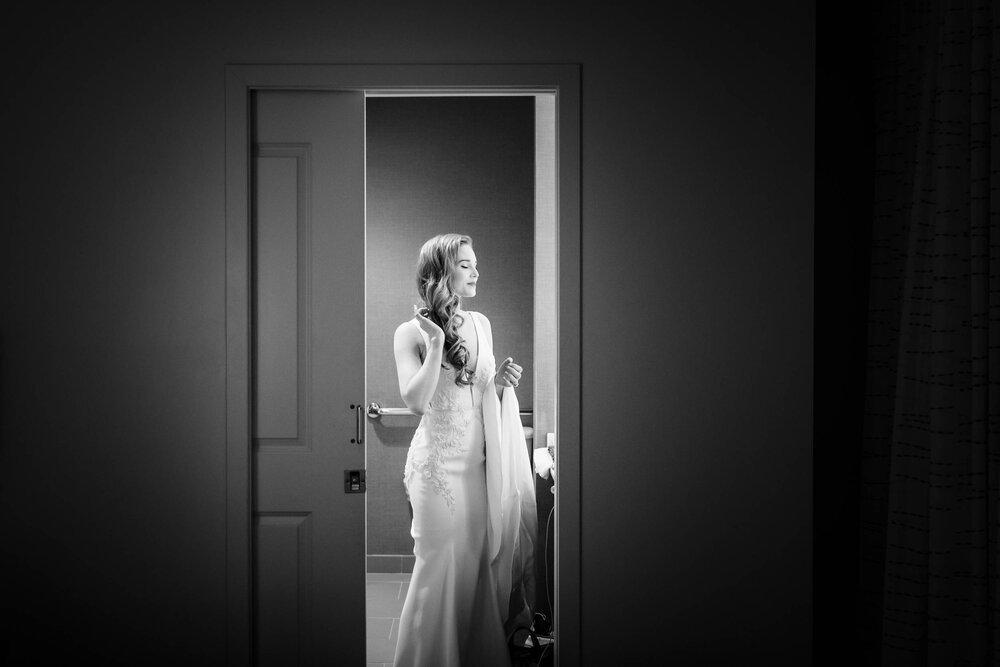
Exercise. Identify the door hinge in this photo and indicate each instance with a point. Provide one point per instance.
(354, 481)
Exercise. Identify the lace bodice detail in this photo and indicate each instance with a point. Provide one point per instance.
(450, 396)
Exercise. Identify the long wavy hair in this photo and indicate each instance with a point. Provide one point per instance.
(435, 267)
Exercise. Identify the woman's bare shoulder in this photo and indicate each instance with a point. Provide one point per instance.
(408, 336)
(408, 330)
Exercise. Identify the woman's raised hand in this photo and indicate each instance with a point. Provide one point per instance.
(508, 373)
(433, 331)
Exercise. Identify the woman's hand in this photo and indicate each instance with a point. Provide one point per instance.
(433, 331)
(508, 373)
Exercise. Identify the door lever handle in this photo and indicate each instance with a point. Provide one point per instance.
(360, 412)
(359, 429)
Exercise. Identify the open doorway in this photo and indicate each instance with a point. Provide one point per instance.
(482, 165)
(276, 558)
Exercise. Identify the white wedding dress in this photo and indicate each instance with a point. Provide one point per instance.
(459, 599)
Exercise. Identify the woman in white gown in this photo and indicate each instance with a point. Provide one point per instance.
(453, 615)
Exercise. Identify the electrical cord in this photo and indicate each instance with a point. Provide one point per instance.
(548, 579)
(548, 597)
(541, 656)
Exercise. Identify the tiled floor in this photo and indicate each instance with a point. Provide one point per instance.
(384, 596)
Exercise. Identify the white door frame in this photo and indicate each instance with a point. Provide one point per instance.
(241, 81)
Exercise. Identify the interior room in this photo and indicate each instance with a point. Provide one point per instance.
(731, 474)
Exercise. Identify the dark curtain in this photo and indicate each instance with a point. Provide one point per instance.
(931, 465)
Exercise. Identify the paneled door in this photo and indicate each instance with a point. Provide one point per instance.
(307, 346)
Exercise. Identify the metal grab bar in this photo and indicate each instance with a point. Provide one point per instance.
(375, 411)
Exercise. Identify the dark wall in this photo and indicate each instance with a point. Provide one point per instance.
(697, 307)
(845, 162)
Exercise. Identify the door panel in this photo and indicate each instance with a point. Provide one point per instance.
(308, 360)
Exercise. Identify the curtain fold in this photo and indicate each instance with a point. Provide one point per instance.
(930, 473)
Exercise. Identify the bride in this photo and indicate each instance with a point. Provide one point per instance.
(471, 490)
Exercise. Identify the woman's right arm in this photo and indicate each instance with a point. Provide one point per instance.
(417, 379)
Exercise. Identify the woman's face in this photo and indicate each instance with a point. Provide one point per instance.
(463, 280)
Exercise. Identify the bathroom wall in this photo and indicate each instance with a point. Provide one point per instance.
(434, 165)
